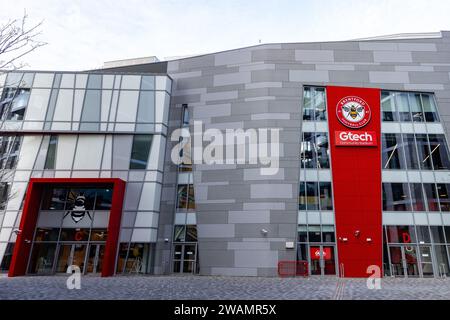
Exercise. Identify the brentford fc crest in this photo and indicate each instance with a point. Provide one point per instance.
(353, 112)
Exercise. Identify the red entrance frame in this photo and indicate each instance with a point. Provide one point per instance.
(30, 213)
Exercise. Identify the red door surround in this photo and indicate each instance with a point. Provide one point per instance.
(354, 129)
(30, 215)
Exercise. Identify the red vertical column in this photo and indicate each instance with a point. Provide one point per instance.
(355, 142)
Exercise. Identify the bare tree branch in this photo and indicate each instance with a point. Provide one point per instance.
(17, 40)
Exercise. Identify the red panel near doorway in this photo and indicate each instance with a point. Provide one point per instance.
(356, 171)
(30, 213)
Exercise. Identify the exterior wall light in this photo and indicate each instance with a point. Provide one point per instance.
(264, 232)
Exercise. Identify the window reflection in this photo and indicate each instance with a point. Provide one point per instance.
(312, 199)
(314, 104)
(423, 151)
(392, 151)
(444, 199)
(326, 202)
(314, 151)
(396, 197)
(439, 152)
(401, 234)
(409, 146)
(416, 107)
(418, 203)
(401, 100)
(388, 107)
(431, 196)
(429, 108)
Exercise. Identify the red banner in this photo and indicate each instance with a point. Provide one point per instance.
(354, 121)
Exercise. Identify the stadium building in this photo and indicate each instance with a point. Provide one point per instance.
(88, 176)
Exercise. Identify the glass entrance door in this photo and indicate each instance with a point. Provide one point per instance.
(322, 260)
(95, 258)
(404, 262)
(185, 258)
(426, 261)
(70, 254)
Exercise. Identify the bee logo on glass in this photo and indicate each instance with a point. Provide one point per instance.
(78, 204)
(353, 112)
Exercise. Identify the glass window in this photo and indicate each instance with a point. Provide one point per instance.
(54, 199)
(314, 150)
(146, 108)
(312, 199)
(13, 103)
(308, 154)
(308, 111)
(328, 234)
(99, 234)
(74, 234)
(423, 234)
(140, 151)
(326, 201)
(431, 196)
(51, 153)
(91, 110)
(191, 198)
(319, 104)
(321, 148)
(9, 151)
(447, 233)
(392, 151)
(47, 234)
(42, 257)
(302, 197)
(104, 199)
(4, 194)
(94, 81)
(80, 199)
(444, 200)
(179, 233)
(148, 83)
(191, 233)
(7, 257)
(437, 232)
(442, 259)
(185, 115)
(401, 101)
(439, 152)
(416, 107)
(429, 108)
(388, 107)
(401, 234)
(302, 232)
(409, 145)
(314, 234)
(182, 201)
(423, 151)
(396, 197)
(418, 202)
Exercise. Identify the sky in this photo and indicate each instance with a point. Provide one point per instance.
(82, 34)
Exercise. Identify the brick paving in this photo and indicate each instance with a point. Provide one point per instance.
(220, 288)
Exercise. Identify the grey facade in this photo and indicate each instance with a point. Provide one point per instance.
(262, 87)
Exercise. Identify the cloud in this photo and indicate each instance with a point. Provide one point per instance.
(83, 34)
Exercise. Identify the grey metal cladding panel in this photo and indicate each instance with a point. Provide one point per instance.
(348, 76)
(429, 77)
(273, 55)
(196, 62)
(431, 57)
(194, 83)
(353, 56)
